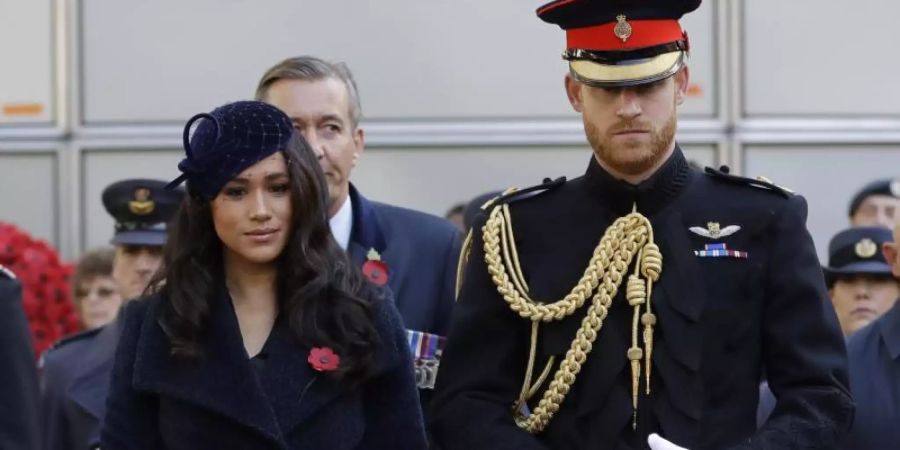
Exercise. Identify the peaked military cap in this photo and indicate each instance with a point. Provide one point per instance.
(141, 209)
(615, 43)
(888, 187)
(227, 141)
(857, 251)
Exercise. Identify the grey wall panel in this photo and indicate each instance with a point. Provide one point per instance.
(99, 168)
(163, 61)
(26, 50)
(434, 179)
(28, 192)
(826, 175)
(791, 70)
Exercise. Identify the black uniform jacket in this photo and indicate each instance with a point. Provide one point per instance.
(223, 401)
(720, 321)
(874, 353)
(18, 378)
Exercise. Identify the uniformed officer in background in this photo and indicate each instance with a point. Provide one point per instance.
(659, 334)
(75, 375)
(18, 377)
(876, 204)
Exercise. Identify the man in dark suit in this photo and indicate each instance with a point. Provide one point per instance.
(76, 371)
(413, 253)
(656, 337)
(18, 377)
(874, 353)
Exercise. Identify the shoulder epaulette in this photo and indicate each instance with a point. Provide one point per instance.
(6, 273)
(758, 182)
(73, 338)
(514, 195)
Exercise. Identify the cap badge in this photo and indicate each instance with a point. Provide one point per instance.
(623, 28)
(142, 204)
(714, 231)
(895, 188)
(866, 248)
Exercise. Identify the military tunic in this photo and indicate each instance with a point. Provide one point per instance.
(720, 321)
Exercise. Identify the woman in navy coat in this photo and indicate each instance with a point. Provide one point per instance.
(258, 333)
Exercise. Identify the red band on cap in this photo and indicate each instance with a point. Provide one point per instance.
(644, 33)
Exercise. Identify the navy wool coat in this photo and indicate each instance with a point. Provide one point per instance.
(223, 401)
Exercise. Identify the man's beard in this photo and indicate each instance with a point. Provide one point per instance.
(631, 158)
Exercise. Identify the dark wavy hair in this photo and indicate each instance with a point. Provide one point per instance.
(324, 297)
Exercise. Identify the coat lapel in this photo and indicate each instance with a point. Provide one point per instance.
(223, 381)
(91, 381)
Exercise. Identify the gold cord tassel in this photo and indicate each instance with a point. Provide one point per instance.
(628, 239)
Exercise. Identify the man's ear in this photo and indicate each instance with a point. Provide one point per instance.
(682, 83)
(359, 144)
(573, 91)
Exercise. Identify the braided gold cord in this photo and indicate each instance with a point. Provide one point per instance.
(621, 243)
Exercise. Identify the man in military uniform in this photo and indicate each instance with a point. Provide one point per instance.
(876, 204)
(75, 374)
(18, 377)
(662, 331)
(874, 354)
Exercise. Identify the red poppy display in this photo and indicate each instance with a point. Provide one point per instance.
(46, 296)
(323, 359)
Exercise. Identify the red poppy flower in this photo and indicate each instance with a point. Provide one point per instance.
(323, 359)
(376, 271)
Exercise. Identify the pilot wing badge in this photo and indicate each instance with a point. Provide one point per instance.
(714, 231)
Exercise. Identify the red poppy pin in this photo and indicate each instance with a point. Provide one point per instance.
(323, 359)
(375, 269)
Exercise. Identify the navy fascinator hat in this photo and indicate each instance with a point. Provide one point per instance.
(227, 141)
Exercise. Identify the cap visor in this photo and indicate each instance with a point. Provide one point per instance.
(139, 237)
(863, 268)
(628, 73)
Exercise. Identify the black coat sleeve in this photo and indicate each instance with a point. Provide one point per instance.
(803, 350)
(131, 420)
(393, 414)
(18, 377)
(482, 368)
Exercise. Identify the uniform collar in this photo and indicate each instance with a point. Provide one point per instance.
(651, 195)
(889, 325)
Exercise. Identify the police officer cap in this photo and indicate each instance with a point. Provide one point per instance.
(856, 251)
(227, 141)
(615, 43)
(141, 209)
(889, 187)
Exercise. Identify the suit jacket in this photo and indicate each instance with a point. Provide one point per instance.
(74, 386)
(421, 252)
(18, 377)
(222, 401)
(874, 353)
(720, 321)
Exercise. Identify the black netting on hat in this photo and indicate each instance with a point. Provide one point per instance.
(227, 141)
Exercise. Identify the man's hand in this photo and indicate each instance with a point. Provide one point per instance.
(658, 443)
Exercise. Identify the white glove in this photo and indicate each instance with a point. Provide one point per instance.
(658, 443)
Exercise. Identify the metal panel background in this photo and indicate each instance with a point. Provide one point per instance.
(27, 51)
(29, 190)
(467, 59)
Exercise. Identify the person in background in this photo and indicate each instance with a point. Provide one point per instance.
(859, 279)
(258, 332)
(96, 293)
(18, 377)
(456, 215)
(874, 354)
(413, 253)
(876, 204)
(861, 284)
(76, 371)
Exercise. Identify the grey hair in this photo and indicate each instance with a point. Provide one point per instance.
(310, 68)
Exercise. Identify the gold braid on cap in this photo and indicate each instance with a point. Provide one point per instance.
(629, 237)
